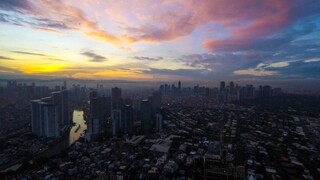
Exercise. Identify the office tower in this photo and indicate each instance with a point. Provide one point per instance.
(116, 98)
(159, 122)
(222, 86)
(97, 116)
(242, 93)
(61, 99)
(92, 95)
(57, 100)
(156, 101)
(116, 121)
(145, 115)
(179, 86)
(162, 89)
(137, 103)
(36, 117)
(127, 117)
(108, 106)
(249, 91)
(50, 120)
(231, 86)
(266, 92)
(208, 93)
(65, 108)
(45, 122)
(64, 87)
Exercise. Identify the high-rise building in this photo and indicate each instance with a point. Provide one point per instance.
(231, 86)
(116, 112)
(61, 99)
(45, 122)
(116, 98)
(98, 115)
(65, 108)
(156, 101)
(50, 120)
(36, 111)
(50, 115)
(92, 95)
(116, 121)
(159, 122)
(249, 91)
(179, 86)
(127, 117)
(64, 87)
(222, 86)
(108, 106)
(266, 92)
(145, 115)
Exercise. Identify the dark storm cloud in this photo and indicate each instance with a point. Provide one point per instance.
(145, 58)
(94, 57)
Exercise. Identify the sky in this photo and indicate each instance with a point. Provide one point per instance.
(161, 40)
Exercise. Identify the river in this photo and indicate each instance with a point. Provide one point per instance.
(75, 133)
(68, 139)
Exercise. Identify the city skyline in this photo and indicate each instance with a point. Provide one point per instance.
(245, 41)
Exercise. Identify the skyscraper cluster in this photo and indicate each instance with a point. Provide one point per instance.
(226, 92)
(51, 115)
(123, 113)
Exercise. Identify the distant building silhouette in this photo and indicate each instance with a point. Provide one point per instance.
(159, 122)
(145, 115)
(222, 86)
(98, 115)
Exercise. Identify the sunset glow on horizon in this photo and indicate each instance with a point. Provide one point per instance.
(155, 40)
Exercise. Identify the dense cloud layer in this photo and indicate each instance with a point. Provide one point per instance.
(238, 39)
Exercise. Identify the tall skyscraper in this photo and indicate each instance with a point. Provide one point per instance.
(156, 101)
(116, 121)
(64, 87)
(249, 91)
(50, 120)
(65, 108)
(145, 115)
(50, 115)
(108, 106)
(222, 86)
(266, 92)
(179, 86)
(127, 117)
(159, 122)
(61, 99)
(98, 115)
(45, 122)
(92, 95)
(116, 113)
(116, 98)
(36, 117)
(231, 86)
